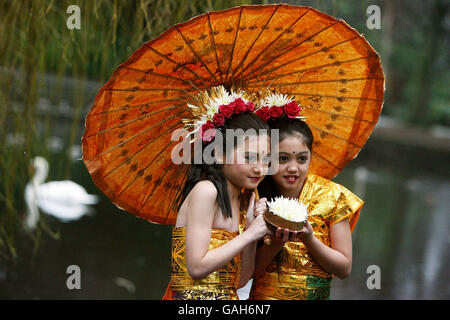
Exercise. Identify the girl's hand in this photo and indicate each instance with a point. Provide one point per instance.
(283, 235)
(258, 228)
(255, 224)
(250, 216)
(260, 207)
(255, 209)
(304, 235)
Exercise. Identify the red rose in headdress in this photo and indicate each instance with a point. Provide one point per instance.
(250, 106)
(275, 112)
(207, 131)
(239, 106)
(292, 109)
(263, 113)
(226, 110)
(218, 120)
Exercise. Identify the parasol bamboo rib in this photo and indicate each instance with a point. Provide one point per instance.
(232, 51)
(149, 89)
(320, 81)
(145, 168)
(306, 56)
(335, 135)
(160, 75)
(288, 50)
(274, 41)
(337, 114)
(124, 124)
(136, 135)
(198, 57)
(335, 63)
(156, 185)
(179, 65)
(213, 42)
(140, 150)
(166, 216)
(326, 160)
(337, 97)
(137, 106)
(256, 39)
(343, 97)
(270, 44)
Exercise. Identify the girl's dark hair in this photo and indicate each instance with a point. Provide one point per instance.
(287, 127)
(213, 172)
(292, 126)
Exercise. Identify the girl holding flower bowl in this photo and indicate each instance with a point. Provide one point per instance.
(299, 263)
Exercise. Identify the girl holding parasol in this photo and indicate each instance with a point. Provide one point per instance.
(217, 226)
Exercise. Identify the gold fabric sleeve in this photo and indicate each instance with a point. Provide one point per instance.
(294, 273)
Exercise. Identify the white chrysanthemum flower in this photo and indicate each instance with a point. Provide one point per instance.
(261, 103)
(208, 105)
(277, 99)
(289, 209)
(213, 108)
(223, 98)
(237, 95)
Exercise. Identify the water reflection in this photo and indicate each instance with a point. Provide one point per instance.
(403, 229)
(426, 236)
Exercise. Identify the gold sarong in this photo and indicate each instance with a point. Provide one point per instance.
(220, 284)
(295, 274)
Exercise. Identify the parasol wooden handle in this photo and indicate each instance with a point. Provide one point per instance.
(267, 239)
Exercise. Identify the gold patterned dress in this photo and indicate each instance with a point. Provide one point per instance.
(218, 285)
(295, 274)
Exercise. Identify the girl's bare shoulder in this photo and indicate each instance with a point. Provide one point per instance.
(205, 190)
(200, 201)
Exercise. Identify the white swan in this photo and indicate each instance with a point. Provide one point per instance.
(64, 200)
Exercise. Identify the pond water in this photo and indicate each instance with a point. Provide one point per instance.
(403, 230)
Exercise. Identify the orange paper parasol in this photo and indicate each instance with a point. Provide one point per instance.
(326, 65)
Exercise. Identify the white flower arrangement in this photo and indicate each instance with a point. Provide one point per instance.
(212, 107)
(276, 99)
(289, 209)
(238, 95)
(209, 106)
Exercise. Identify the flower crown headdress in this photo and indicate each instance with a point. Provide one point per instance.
(212, 109)
(276, 105)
